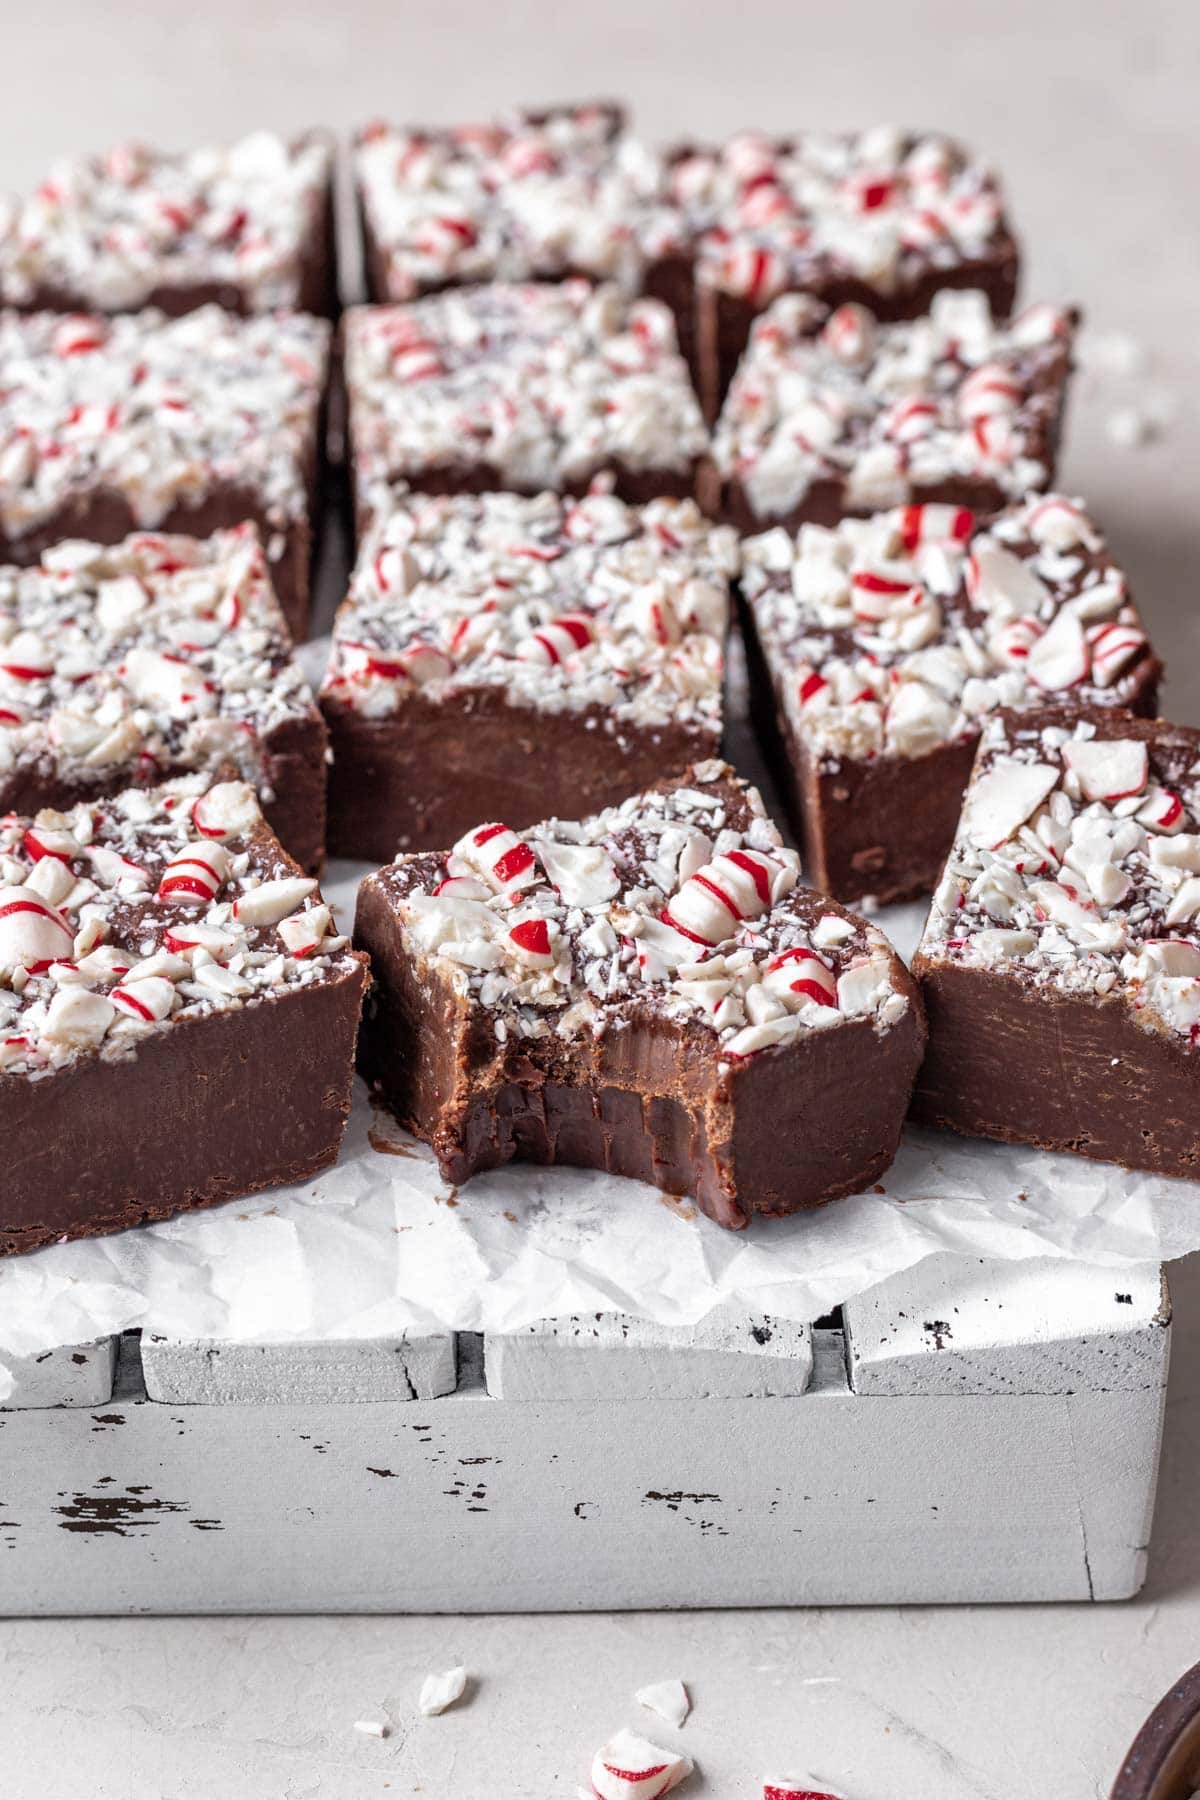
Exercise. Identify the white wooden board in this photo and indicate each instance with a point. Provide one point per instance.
(474, 1502)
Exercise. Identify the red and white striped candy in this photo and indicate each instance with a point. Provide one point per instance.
(989, 389)
(272, 901)
(33, 934)
(723, 894)
(934, 524)
(870, 190)
(182, 938)
(907, 421)
(419, 663)
(305, 932)
(194, 874)
(147, 1000)
(460, 887)
(1059, 524)
(655, 616)
(995, 439)
(1107, 769)
(813, 690)
(752, 271)
(41, 841)
(1060, 658)
(552, 644)
(874, 596)
(1013, 642)
(78, 335)
(801, 971)
(1162, 812)
(228, 810)
(26, 657)
(1113, 647)
(631, 1768)
(796, 1787)
(531, 940)
(503, 859)
(849, 333)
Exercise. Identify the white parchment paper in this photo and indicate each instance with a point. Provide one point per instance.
(379, 1244)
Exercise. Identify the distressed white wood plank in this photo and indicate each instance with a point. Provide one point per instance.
(74, 1375)
(471, 1504)
(197, 1372)
(728, 1355)
(954, 1325)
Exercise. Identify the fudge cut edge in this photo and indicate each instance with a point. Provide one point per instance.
(1061, 1071)
(420, 778)
(779, 1132)
(211, 1109)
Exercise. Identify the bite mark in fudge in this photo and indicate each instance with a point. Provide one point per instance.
(831, 414)
(521, 387)
(647, 991)
(882, 217)
(503, 654)
(177, 1011)
(877, 648)
(527, 197)
(123, 664)
(1061, 959)
(245, 225)
(141, 422)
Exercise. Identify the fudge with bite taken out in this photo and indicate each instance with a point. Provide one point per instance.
(1061, 961)
(145, 423)
(520, 387)
(177, 1011)
(520, 656)
(124, 664)
(647, 991)
(882, 218)
(832, 414)
(247, 226)
(877, 648)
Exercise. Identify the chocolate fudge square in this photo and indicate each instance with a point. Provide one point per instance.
(140, 422)
(247, 226)
(177, 1013)
(124, 664)
(648, 991)
(833, 415)
(881, 217)
(877, 649)
(1061, 960)
(499, 653)
(523, 387)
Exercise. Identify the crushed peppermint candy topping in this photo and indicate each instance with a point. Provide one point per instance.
(130, 915)
(893, 635)
(161, 411)
(121, 663)
(889, 412)
(527, 197)
(682, 900)
(108, 232)
(544, 385)
(629, 1767)
(796, 1787)
(882, 206)
(560, 604)
(1077, 863)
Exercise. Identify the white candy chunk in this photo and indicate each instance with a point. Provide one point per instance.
(1060, 658)
(372, 1727)
(441, 1691)
(77, 1019)
(630, 1768)
(304, 931)
(583, 873)
(272, 901)
(1059, 524)
(861, 985)
(1003, 798)
(228, 810)
(1179, 852)
(1002, 584)
(1178, 960)
(993, 945)
(120, 601)
(32, 932)
(167, 683)
(669, 1699)
(1186, 903)
(147, 1000)
(1108, 884)
(1107, 768)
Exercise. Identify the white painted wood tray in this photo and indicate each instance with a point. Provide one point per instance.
(965, 1432)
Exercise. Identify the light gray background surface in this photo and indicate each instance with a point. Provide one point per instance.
(1091, 110)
